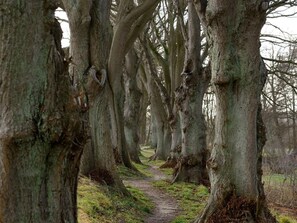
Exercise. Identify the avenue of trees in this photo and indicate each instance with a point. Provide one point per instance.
(184, 76)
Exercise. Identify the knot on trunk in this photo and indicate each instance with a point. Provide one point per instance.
(94, 82)
(212, 164)
(98, 76)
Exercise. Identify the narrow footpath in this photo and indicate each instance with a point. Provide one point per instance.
(166, 206)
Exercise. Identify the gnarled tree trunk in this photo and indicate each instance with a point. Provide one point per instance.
(160, 126)
(41, 138)
(89, 49)
(191, 165)
(233, 28)
(132, 106)
(130, 21)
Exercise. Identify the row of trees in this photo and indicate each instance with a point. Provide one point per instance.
(92, 99)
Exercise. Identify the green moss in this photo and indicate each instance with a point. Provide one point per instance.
(98, 203)
(144, 169)
(147, 152)
(127, 173)
(281, 218)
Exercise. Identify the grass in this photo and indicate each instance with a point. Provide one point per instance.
(283, 218)
(146, 153)
(126, 173)
(97, 203)
(275, 178)
(191, 198)
(281, 193)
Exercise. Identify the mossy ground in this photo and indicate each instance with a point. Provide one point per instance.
(97, 203)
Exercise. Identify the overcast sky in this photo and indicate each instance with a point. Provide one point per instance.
(287, 24)
(286, 28)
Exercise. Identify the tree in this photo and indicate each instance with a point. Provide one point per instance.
(129, 23)
(195, 79)
(41, 136)
(164, 54)
(132, 106)
(233, 30)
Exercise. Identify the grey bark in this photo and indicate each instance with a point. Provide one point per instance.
(89, 49)
(41, 136)
(143, 116)
(192, 161)
(130, 21)
(132, 106)
(233, 30)
(160, 126)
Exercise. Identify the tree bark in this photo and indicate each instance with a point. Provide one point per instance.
(233, 30)
(143, 128)
(130, 21)
(160, 126)
(41, 136)
(89, 49)
(132, 106)
(191, 165)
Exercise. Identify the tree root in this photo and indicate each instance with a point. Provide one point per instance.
(170, 163)
(104, 177)
(236, 210)
(188, 169)
(153, 157)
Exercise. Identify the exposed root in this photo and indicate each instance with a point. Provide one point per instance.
(153, 157)
(172, 160)
(107, 178)
(170, 163)
(237, 210)
(102, 177)
(189, 169)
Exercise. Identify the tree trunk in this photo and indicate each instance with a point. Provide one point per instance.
(192, 161)
(160, 125)
(89, 49)
(132, 106)
(99, 160)
(143, 128)
(41, 138)
(153, 133)
(233, 28)
(129, 23)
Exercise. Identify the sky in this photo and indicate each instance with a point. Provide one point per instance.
(287, 24)
(287, 28)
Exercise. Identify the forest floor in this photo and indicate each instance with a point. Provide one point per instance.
(154, 199)
(166, 207)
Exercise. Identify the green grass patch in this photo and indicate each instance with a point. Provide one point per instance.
(98, 203)
(281, 218)
(126, 173)
(144, 169)
(191, 198)
(275, 178)
(146, 153)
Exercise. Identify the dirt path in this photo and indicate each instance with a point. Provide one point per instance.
(166, 207)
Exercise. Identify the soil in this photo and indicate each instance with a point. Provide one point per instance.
(166, 206)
